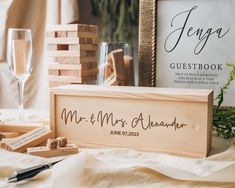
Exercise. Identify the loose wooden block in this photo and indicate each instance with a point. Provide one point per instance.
(45, 152)
(118, 64)
(129, 70)
(112, 80)
(176, 121)
(8, 135)
(108, 66)
(29, 139)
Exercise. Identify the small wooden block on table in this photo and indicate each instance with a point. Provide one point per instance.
(60, 151)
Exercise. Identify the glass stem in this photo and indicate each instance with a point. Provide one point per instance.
(21, 84)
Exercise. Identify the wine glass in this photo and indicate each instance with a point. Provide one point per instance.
(19, 55)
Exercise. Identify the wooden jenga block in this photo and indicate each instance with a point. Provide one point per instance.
(69, 66)
(45, 152)
(88, 53)
(62, 40)
(75, 60)
(108, 66)
(62, 47)
(87, 28)
(87, 35)
(51, 47)
(61, 34)
(118, 64)
(83, 40)
(89, 65)
(72, 34)
(63, 53)
(129, 68)
(74, 28)
(78, 73)
(74, 47)
(50, 34)
(65, 79)
(58, 66)
(53, 72)
(68, 60)
(90, 47)
(75, 73)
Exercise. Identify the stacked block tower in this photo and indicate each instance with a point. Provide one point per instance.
(72, 54)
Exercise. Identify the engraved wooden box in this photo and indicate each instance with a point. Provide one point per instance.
(175, 121)
(72, 53)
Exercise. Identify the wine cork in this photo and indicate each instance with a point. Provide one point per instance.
(62, 141)
(52, 144)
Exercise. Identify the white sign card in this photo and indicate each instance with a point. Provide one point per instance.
(195, 41)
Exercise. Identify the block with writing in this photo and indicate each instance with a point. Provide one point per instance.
(29, 139)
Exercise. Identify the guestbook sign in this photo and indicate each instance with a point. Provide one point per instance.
(195, 41)
(175, 121)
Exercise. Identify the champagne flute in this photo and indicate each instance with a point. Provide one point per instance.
(19, 55)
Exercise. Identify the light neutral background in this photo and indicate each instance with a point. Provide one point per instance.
(34, 15)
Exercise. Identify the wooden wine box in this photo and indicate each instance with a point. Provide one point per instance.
(175, 121)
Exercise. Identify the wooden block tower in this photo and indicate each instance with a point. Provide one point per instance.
(72, 54)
